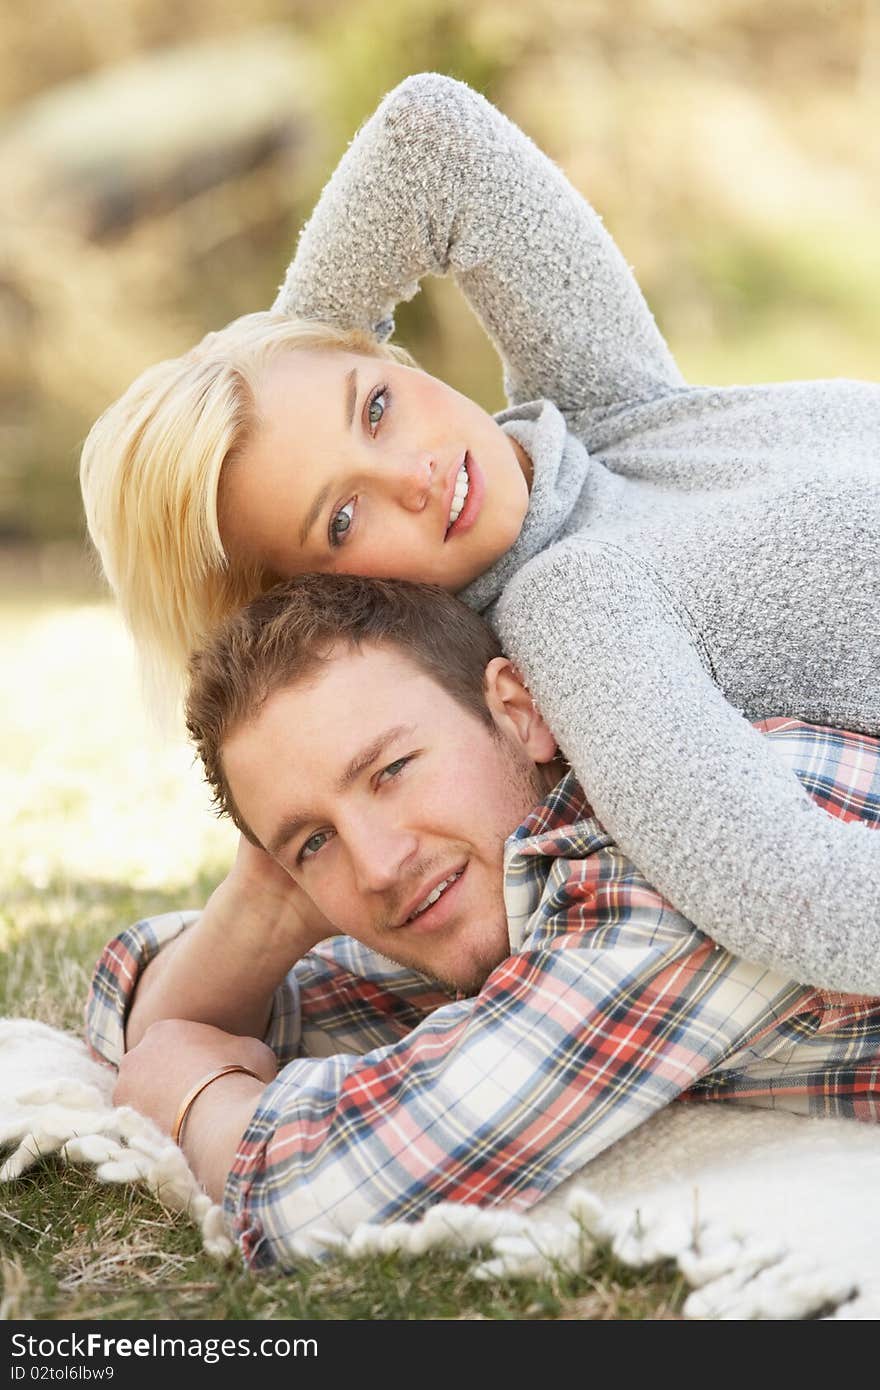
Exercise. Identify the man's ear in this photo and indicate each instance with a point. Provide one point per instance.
(514, 713)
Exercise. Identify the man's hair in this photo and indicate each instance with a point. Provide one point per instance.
(282, 637)
(150, 474)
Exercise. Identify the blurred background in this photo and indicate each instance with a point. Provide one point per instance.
(159, 156)
(157, 159)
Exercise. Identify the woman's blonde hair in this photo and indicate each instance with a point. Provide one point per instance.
(150, 473)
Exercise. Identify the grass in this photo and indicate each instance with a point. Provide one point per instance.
(72, 1251)
(103, 821)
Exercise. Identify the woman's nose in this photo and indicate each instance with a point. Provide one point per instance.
(413, 481)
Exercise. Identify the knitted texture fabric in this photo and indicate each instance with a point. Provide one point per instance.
(692, 558)
(56, 1099)
(766, 1215)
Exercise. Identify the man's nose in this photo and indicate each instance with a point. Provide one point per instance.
(379, 855)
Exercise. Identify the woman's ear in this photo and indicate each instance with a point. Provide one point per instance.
(514, 713)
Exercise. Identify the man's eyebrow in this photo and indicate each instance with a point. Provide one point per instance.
(318, 504)
(286, 831)
(367, 756)
(363, 759)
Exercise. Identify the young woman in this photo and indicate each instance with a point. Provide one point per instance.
(664, 562)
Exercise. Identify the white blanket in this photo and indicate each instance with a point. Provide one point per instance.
(767, 1215)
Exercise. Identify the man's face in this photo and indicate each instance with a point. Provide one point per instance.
(389, 803)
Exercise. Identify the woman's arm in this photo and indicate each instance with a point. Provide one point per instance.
(706, 807)
(438, 180)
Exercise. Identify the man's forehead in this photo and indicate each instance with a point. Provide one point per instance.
(355, 699)
(351, 687)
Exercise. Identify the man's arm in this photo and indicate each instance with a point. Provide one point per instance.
(574, 1041)
(173, 1056)
(239, 963)
(491, 1100)
(224, 969)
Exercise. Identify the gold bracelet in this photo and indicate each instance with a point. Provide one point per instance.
(193, 1094)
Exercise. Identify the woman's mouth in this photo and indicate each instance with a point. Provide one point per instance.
(467, 497)
(459, 496)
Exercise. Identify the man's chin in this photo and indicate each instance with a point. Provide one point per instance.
(465, 983)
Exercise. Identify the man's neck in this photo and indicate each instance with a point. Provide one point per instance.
(553, 772)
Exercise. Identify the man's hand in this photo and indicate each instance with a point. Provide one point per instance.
(172, 1057)
(259, 887)
(224, 969)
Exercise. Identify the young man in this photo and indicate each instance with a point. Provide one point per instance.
(390, 775)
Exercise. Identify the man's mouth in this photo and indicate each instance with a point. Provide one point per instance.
(431, 898)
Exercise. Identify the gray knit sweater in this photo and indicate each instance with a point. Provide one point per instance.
(692, 557)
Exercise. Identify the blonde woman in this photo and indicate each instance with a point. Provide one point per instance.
(664, 562)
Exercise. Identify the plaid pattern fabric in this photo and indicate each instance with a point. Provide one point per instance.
(610, 1006)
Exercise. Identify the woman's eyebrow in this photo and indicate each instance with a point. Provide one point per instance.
(314, 512)
(317, 506)
(351, 390)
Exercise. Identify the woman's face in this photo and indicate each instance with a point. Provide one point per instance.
(360, 465)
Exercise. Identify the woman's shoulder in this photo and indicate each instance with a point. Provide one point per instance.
(595, 591)
(578, 566)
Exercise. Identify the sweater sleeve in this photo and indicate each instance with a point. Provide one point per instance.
(440, 181)
(706, 807)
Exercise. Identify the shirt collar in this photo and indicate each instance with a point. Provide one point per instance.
(564, 826)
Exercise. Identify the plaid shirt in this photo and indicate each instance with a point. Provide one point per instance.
(392, 1097)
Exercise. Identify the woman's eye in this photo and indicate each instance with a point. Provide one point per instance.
(340, 523)
(393, 769)
(313, 844)
(376, 408)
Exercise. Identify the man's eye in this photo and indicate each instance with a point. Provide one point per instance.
(313, 844)
(341, 523)
(377, 407)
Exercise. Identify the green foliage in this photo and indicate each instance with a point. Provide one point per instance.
(370, 47)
